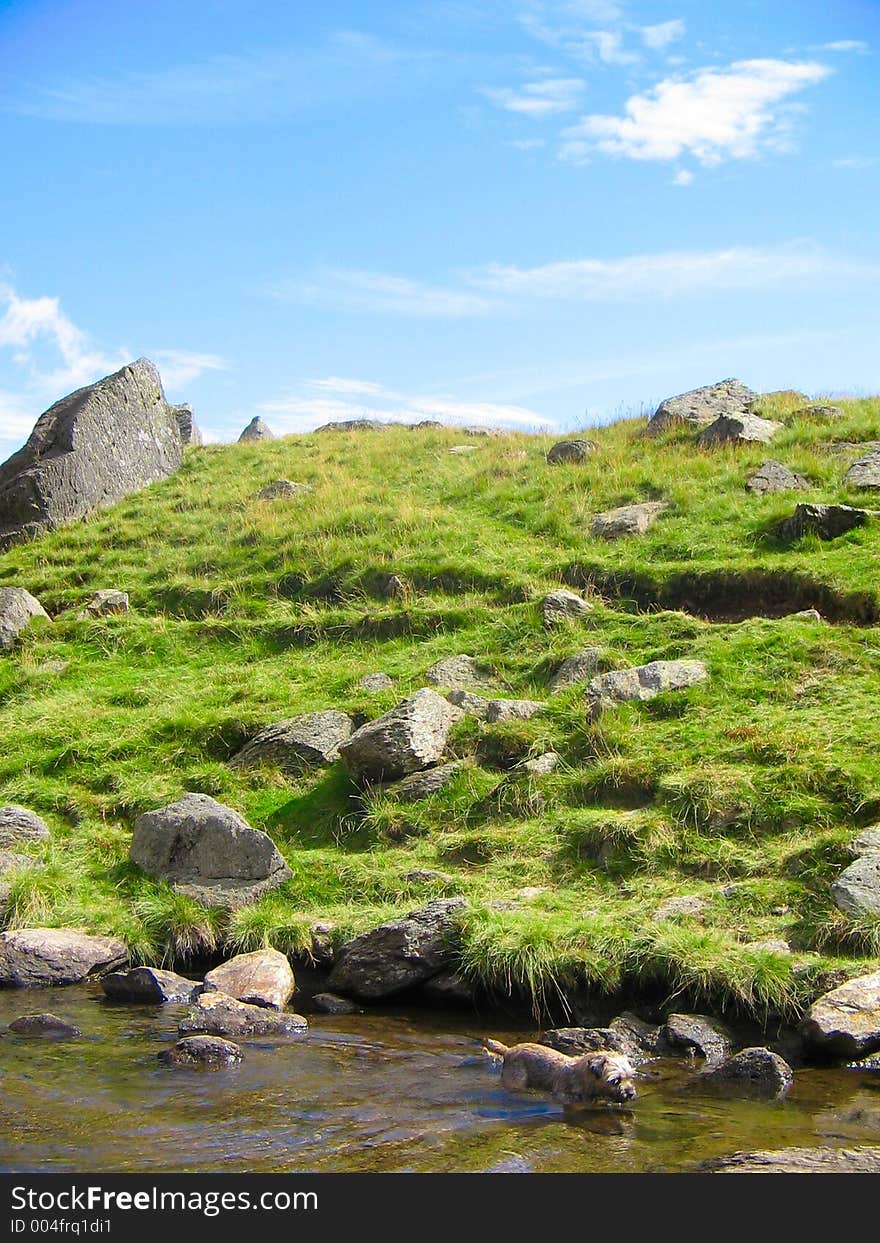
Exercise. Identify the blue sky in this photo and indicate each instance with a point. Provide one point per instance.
(526, 212)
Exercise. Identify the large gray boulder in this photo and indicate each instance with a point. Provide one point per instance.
(458, 673)
(90, 449)
(772, 477)
(148, 986)
(561, 606)
(261, 978)
(190, 435)
(410, 737)
(37, 957)
(755, 1072)
(18, 608)
(643, 682)
(299, 744)
(18, 825)
(707, 1037)
(702, 406)
(844, 1025)
(857, 889)
(739, 429)
(398, 955)
(865, 471)
(824, 521)
(257, 429)
(627, 519)
(354, 425)
(207, 851)
(569, 452)
(216, 1014)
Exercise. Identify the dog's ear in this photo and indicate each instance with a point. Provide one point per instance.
(597, 1065)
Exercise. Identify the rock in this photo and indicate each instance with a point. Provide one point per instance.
(810, 615)
(44, 1025)
(398, 955)
(702, 406)
(329, 1003)
(257, 429)
(262, 978)
(89, 450)
(816, 410)
(770, 945)
(375, 682)
(561, 606)
(857, 889)
(577, 1040)
(867, 842)
(410, 737)
(354, 425)
(799, 1161)
(219, 1015)
(427, 876)
(707, 1037)
(495, 709)
(393, 587)
(421, 785)
(322, 952)
(201, 1051)
(825, 521)
(578, 668)
(685, 905)
(641, 1039)
(448, 988)
(541, 765)
(643, 682)
(18, 825)
(18, 608)
(283, 489)
(627, 519)
(207, 851)
(471, 705)
(148, 986)
(773, 477)
(571, 451)
(190, 436)
(753, 1072)
(35, 957)
(740, 428)
(484, 431)
(844, 1025)
(298, 744)
(456, 673)
(105, 602)
(865, 472)
(425, 425)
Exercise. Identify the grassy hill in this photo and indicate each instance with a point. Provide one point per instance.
(744, 791)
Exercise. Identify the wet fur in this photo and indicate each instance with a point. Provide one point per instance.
(569, 1080)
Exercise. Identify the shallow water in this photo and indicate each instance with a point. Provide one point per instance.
(389, 1091)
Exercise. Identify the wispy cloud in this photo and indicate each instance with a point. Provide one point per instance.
(842, 45)
(856, 161)
(659, 37)
(545, 98)
(713, 115)
(179, 368)
(348, 289)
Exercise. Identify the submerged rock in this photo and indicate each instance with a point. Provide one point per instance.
(262, 978)
(329, 1003)
(298, 744)
(201, 1051)
(410, 737)
(398, 955)
(18, 608)
(627, 519)
(36, 957)
(219, 1015)
(755, 1072)
(49, 1025)
(844, 1025)
(148, 986)
(702, 406)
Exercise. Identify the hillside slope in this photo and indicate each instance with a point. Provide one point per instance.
(744, 791)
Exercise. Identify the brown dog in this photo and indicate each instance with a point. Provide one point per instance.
(569, 1080)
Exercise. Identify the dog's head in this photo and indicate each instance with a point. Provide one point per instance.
(607, 1074)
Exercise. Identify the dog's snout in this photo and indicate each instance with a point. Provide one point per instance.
(628, 1092)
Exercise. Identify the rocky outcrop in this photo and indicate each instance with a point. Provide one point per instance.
(576, 1041)
(45, 1025)
(104, 603)
(209, 1051)
(627, 519)
(298, 744)
(643, 682)
(190, 435)
(283, 490)
(575, 669)
(541, 765)
(844, 1025)
(257, 429)
(707, 1037)
(148, 986)
(495, 709)
(261, 978)
(458, 673)
(570, 452)
(421, 785)
(398, 955)
(857, 889)
(799, 1161)
(90, 449)
(683, 904)
(865, 471)
(354, 425)
(218, 1015)
(18, 825)
(818, 410)
(207, 851)
(739, 429)
(375, 683)
(757, 1072)
(702, 406)
(824, 521)
(561, 606)
(410, 737)
(18, 608)
(772, 477)
(37, 957)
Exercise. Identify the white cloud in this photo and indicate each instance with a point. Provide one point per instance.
(336, 384)
(609, 47)
(659, 37)
(856, 161)
(683, 177)
(180, 367)
(844, 45)
(527, 144)
(714, 115)
(538, 99)
(350, 289)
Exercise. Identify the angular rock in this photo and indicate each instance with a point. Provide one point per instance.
(684, 905)
(865, 472)
(770, 945)
(219, 1015)
(485, 431)
(398, 955)
(410, 737)
(458, 673)
(18, 608)
(18, 825)
(627, 519)
(149, 986)
(104, 603)
(375, 682)
(578, 1040)
(190, 436)
(865, 1160)
(561, 606)
(208, 1051)
(298, 744)
(90, 449)
(448, 988)
(825, 521)
(857, 889)
(571, 451)
(257, 429)
(643, 682)
(207, 851)
(44, 1025)
(816, 410)
(495, 709)
(322, 951)
(772, 477)
(354, 425)
(709, 1038)
(471, 705)
(740, 428)
(574, 669)
(867, 842)
(642, 1039)
(541, 765)
(36, 957)
(422, 785)
(427, 876)
(283, 490)
(755, 1072)
(262, 978)
(329, 1003)
(844, 1025)
(702, 406)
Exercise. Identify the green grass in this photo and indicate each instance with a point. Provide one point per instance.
(246, 611)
